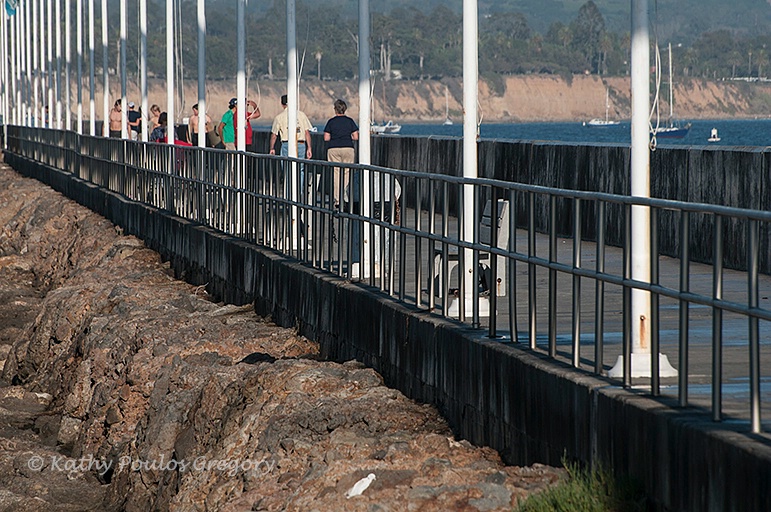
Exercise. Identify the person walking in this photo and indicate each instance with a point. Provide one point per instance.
(153, 122)
(192, 126)
(340, 133)
(134, 121)
(280, 131)
(115, 120)
(252, 112)
(159, 132)
(280, 128)
(227, 128)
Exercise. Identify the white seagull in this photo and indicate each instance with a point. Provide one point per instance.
(360, 486)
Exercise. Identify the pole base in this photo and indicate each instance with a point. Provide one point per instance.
(454, 310)
(641, 366)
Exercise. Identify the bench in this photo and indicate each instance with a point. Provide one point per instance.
(485, 237)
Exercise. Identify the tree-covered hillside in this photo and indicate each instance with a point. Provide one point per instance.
(678, 20)
(424, 40)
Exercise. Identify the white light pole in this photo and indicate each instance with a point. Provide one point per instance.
(35, 67)
(470, 95)
(28, 70)
(58, 64)
(640, 187)
(4, 64)
(365, 136)
(91, 71)
(365, 100)
(143, 65)
(105, 73)
(123, 98)
(240, 79)
(201, 74)
(20, 66)
(291, 109)
(170, 126)
(50, 66)
(640, 178)
(291, 80)
(67, 60)
(14, 57)
(79, 45)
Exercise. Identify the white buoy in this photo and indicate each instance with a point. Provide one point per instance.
(360, 486)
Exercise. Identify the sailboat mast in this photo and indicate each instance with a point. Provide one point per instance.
(671, 86)
(607, 104)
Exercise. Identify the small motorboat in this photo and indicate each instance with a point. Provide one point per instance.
(389, 127)
(672, 131)
(713, 136)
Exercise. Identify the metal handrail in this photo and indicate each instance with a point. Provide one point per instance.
(245, 194)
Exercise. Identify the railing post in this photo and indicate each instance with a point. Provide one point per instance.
(475, 261)
(511, 267)
(552, 276)
(492, 285)
(627, 300)
(685, 256)
(754, 339)
(599, 292)
(717, 320)
(576, 332)
(655, 377)
(432, 270)
(531, 269)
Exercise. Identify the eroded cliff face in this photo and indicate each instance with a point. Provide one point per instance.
(522, 98)
(125, 389)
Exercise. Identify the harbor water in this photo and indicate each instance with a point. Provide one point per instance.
(756, 132)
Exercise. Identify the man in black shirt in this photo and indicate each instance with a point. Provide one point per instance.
(134, 121)
(340, 132)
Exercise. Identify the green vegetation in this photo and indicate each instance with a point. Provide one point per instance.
(587, 491)
(424, 40)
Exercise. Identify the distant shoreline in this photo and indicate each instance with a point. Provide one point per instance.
(520, 99)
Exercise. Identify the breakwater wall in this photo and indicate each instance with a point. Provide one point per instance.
(738, 177)
(528, 408)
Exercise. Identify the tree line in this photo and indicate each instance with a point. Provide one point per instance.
(410, 44)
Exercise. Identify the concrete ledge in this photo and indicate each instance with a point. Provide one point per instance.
(528, 408)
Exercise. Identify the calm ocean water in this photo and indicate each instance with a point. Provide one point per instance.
(731, 132)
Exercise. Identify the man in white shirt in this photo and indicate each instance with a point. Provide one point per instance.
(280, 128)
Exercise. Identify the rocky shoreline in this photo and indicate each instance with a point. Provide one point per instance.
(125, 389)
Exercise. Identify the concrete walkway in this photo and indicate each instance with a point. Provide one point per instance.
(735, 347)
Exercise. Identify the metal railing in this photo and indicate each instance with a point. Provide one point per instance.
(403, 239)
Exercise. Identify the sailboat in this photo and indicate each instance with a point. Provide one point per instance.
(598, 122)
(385, 127)
(673, 129)
(447, 120)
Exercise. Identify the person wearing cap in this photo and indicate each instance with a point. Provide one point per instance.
(252, 112)
(227, 128)
(134, 121)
